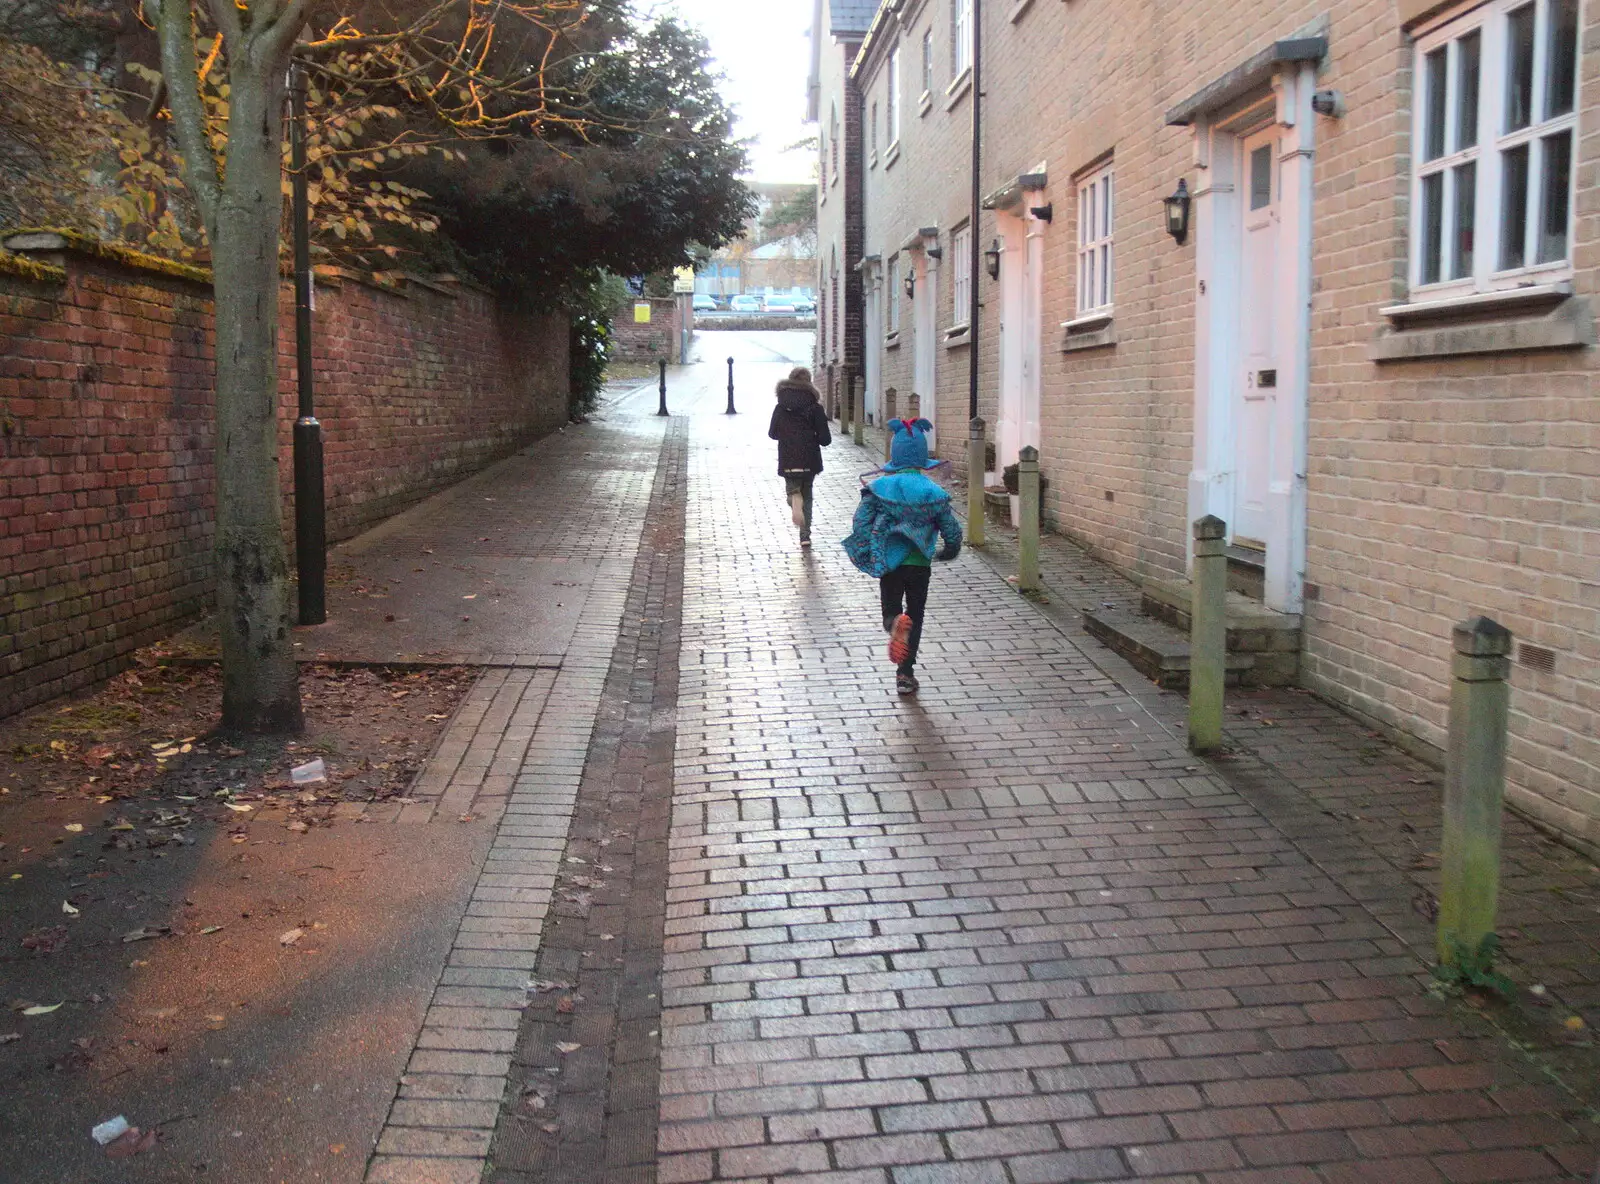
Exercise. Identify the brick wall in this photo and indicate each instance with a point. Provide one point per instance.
(106, 441)
(838, 342)
(922, 181)
(1436, 488)
(655, 341)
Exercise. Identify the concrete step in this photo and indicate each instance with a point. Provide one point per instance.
(1253, 628)
(1157, 650)
(1247, 572)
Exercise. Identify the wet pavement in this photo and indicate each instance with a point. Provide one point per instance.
(731, 909)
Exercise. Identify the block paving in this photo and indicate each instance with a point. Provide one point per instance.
(1365, 811)
(516, 748)
(1010, 930)
(750, 916)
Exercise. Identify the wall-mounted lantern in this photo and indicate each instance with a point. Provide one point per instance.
(911, 285)
(1177, 207)
(992, 259)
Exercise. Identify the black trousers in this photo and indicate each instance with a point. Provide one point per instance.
(905, 590)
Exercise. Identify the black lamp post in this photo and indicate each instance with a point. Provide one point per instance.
(1177, 210)
(310, 499)
(991, 260)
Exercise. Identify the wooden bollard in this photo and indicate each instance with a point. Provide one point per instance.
(1474, 787)
(1028, 522)
(1208, 634)
(858, 419)
(977, 457)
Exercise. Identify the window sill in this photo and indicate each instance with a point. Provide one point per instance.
(872, 160)
(1093, 331)
(925, 103)
(958, 89)
(892, 341)
(890, 155)
(1020, 7)
(1455, 328)
(1510, 299)
(957, 335)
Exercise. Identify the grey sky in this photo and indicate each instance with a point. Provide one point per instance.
(763, 48)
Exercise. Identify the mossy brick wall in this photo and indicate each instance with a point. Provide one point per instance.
(106, 442)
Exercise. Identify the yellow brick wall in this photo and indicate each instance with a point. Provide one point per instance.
(1437, 489)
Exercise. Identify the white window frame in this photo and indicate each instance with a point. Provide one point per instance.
(894, 279)
(891, 106)
(960, 37)
(961, 276)
(833, 146)
(1491, 22)
(927, 63)
(1097, 255)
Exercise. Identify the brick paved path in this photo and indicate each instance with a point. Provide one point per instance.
(780, 924)
(1011, 931)
(1368, 814)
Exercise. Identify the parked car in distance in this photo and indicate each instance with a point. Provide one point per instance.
(704, 303)
(804, 304)
(744, 304)
(780, 304)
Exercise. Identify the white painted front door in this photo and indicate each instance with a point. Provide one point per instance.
(1262, 317)
(1021, 269)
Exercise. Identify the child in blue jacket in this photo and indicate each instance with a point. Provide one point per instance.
(898, 525)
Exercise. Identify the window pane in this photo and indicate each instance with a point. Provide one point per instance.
(1519, 68)
(1434, 67)
(1466, 204)
(1261, 177)
(1432, 225)
(1561, 56)
(1088, 272)
(1556, 166)
(1105, 219)
(1513, 206)
(1469, 51)
(1105, 274)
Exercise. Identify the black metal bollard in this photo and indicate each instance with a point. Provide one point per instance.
(310, 522)
(731, 411)
(662, 410)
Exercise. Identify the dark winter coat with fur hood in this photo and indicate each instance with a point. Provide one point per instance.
(800, 426)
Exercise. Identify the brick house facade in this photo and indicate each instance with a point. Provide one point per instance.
(834, 104)
(1372, 354)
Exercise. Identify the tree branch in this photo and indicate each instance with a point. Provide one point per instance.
(278, 39)
(178, 66)
(226, 14)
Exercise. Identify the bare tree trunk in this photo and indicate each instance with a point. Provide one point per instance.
(261, 691)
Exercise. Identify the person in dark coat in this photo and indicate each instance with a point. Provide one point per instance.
(800, 426)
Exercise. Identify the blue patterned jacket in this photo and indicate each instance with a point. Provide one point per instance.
(898, 514)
